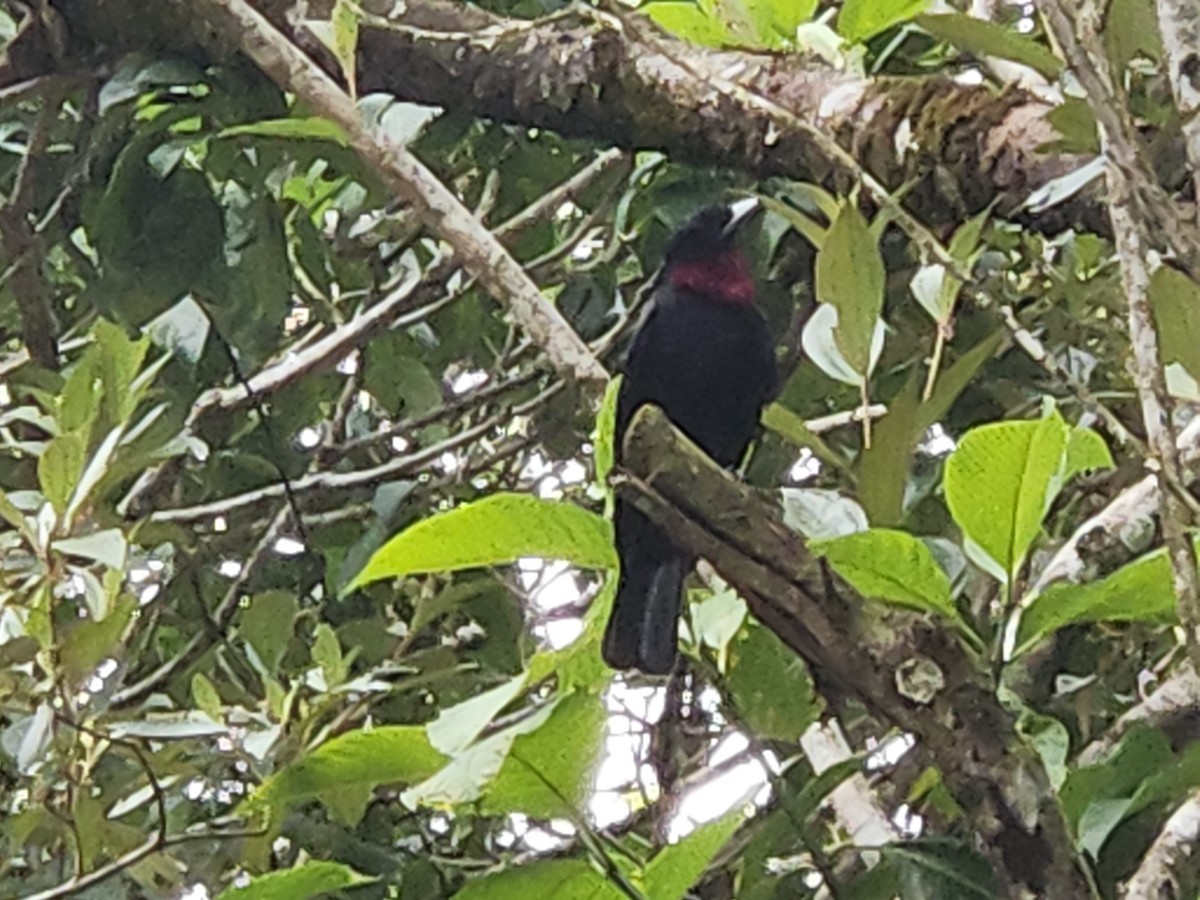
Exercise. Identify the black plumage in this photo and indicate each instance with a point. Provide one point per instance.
(704, 355)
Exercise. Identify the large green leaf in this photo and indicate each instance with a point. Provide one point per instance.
(59, 468)
(893, 566)
(770, 685)
(311, 879)
(357, 761)
(675, 869)
(863, 19)
(548, 771)
(493, 531)
(694, 22)
(562, 879)
(1003, 476)
(850, 278)
(1095, 799)
(781, 16)
(1142, 591)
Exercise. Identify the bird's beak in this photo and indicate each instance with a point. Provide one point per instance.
(740, 211)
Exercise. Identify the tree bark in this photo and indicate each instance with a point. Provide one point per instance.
(964, 730)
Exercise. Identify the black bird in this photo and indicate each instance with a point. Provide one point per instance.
(704, 355)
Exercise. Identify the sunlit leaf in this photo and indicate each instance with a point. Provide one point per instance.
(1141, 591)
(314, 878)
(676, 868)
(562, 879)
(697, 23)
(893, 566)
(863, 19)
(1000, 481)
(548, 772)
(496, 530)
(397, 754)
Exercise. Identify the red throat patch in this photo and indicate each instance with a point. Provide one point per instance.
(725, 277)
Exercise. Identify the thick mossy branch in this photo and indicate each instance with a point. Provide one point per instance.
(964, 729)
(954, 148)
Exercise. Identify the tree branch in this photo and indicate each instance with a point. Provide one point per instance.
(967, 147)
(1179, 24)
(1171, 867)
(480, 253)
(964, 728)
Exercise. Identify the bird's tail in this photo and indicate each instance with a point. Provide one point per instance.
(643, 629)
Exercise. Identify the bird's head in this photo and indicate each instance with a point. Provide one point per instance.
(703, 255)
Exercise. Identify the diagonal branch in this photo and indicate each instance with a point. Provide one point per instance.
(964, 729)
(480, 253)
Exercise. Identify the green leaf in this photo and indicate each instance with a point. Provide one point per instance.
(892, 566)
(266, 624)
(775, 19)
(399, 754)
(119, 360)
(327, 653)
(182, 330)
(941, 870)
(983, 39)
(850, 278)
(1095, 799)
(344, 19)
(1051, 740)
(496, 530)
(759, 664)
(562, 879)
(676, 868)
(158, 230)
(206, 698)
(805, 224)
(695, 23)
(79, 402)
(1086, 452)
(863, 19)
(717, 619)
(883, 474)
(547, 772)
(1075, 123)
(106, 547)
(999, 484)
(1142, 591)
(88, 642)
(59, 468)
(310, 879)
(469, 773)
(456, 727)
(605, 435)
(1170, 783)
(1131, 30)
(1176, 302)
(313, 128)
